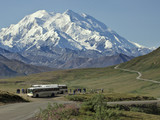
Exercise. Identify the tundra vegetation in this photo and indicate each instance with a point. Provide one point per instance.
(95, 108)
(109, 79)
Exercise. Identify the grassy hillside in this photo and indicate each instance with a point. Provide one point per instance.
(109, 79)
(148, 64)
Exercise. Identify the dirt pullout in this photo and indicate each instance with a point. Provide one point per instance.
(25, 111)
(6, 97)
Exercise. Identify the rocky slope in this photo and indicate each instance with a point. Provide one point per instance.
(11, 68)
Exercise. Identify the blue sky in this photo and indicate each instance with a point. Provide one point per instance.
(136, 20)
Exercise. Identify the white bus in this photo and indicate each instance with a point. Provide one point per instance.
(63, 89)
(43, 91)
(46, 90)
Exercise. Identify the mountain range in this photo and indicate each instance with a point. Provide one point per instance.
(10, 68)
(66, 40)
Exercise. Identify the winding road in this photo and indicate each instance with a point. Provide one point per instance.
(139, 75)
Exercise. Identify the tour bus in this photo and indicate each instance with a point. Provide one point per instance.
(43, 91)
(46, 90)
(63, 89)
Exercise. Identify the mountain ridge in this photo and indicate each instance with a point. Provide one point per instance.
(96, 62)
(144, 63)
(10, 68)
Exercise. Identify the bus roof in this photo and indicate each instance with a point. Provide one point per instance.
(62, 85)
(49, 85)
(43, 86)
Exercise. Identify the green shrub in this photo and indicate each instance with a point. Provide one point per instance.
(94, 108)
(97, 107)
(57, 112)
(150, 108)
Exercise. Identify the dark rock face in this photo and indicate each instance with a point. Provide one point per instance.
(10, 68)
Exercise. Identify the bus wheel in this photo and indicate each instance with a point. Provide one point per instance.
(52, 95)
(37, 95)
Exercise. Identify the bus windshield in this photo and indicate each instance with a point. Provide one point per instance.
(30, 91)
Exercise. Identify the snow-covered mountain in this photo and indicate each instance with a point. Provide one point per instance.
(64, 36)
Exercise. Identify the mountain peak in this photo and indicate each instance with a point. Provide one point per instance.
(40, 14)
(71, 13)
(68, 11)
(41, 11)
(68, 30)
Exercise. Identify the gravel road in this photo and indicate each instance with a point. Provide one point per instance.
(24, 111)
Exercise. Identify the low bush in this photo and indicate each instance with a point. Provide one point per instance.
(94, 108)
(149, 109)
(57, 112)
(109, 97)
(99, 109)
(125, 97)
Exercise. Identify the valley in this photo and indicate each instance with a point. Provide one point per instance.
(107, 78)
